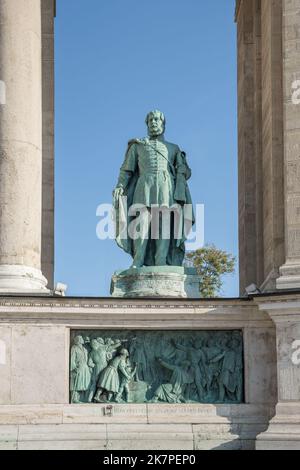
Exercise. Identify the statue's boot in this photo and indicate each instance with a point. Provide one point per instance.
(118, 398)
(97, 398)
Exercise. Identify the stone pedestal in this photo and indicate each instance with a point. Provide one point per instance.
(161, 281)
(132, 427)
(284, 429)
(21, 147)
(35, 342)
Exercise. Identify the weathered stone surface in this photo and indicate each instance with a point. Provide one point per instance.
(39, 365)
(233, 444)
(162, 282)
(5, 364)
(260, 354)
(227, 427)
(63, 445)
(152, 444)
(14, 414)
(160, 436)
(97, 414)
(284, 429)
(62, 432)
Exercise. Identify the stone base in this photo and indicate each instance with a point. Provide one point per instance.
(18, 279)
(269, 284)
(128, 427)
(284, 430)
(34, 369)
(289, 277)
(158, 281)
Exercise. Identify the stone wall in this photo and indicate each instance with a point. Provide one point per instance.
(34, 366)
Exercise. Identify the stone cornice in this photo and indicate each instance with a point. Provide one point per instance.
(132, 313)
(109, 303)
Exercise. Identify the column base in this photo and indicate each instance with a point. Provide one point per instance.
(19, 279)
(284, 429)
(269, 284)
(289, 277)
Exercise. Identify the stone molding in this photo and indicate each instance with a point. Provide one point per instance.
(138, 313)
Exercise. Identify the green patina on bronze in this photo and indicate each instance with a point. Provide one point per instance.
(156, 367)
(155, 172)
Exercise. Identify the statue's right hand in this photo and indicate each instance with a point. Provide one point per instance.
(118, 192)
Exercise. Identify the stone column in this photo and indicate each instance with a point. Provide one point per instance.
(290, 271)
(249, 136)
(47, 260)
(261, 188)
(272, 228)
(284, 429)
(20, 147)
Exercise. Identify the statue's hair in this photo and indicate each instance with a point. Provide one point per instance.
(156, 111)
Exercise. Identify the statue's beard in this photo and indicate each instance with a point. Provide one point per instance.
(156, 132)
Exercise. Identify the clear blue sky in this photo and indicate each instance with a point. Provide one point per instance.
(115, 61)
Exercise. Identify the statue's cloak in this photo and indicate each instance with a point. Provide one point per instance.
(182, 197)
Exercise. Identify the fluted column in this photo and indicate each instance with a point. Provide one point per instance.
(290, 271)
(20, 147)
(47, 259)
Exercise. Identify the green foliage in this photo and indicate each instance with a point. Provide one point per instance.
(211, 265)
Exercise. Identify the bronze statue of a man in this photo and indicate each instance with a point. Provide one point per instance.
(154, 177)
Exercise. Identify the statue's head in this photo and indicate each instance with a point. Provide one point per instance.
(124, 353)
(94, 344)
(156, 123)
(198, 343)
(234, 343)
(78, 340)
(185, 363)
